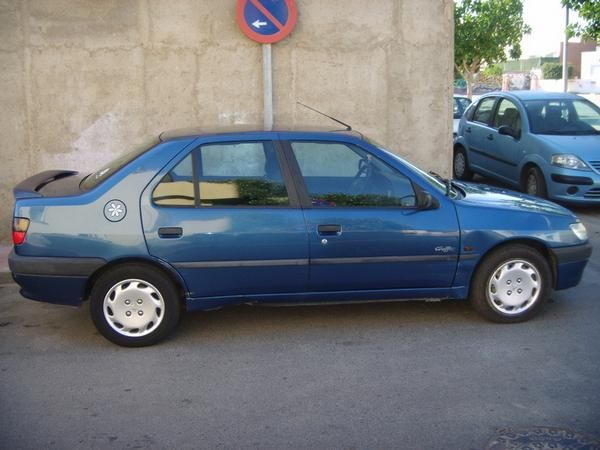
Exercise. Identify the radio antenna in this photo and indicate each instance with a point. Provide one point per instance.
(348, 127)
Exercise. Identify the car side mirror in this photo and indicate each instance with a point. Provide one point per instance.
(508, 131)
(426, 201)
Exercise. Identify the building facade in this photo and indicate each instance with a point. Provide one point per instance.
(83, 81)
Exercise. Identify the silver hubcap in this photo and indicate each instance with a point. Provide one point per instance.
(532, 184)
(514, 287)
(459, 164)
(133, 308)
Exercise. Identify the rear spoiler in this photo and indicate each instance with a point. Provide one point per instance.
(30, 187)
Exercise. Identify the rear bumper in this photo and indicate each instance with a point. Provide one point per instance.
(570, 264)
(53, 279)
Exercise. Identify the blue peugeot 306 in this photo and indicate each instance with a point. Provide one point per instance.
(198, 221)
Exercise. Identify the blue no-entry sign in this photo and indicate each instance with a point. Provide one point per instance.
(266, 21)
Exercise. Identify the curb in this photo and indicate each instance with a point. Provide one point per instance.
(6, 278)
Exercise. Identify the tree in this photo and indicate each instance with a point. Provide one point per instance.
(553, 71)
(484, 30)
(589, 11)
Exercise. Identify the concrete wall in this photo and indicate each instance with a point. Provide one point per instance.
(81, 81)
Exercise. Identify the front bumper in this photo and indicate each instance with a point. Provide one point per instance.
(570, 264)
(574, 186)
(58, 280)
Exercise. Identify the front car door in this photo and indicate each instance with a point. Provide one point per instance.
(226, 216)
(365, 231)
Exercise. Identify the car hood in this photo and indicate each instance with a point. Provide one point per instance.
(586, 147)
(483, 195)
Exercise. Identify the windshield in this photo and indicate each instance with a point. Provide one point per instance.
(97, 177)
(563, 117)
(434, 181)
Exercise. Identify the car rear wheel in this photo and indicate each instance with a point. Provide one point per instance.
(134, 305)
(534, 183)
(460, 165)
(511, 284)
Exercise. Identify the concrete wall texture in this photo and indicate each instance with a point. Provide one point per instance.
(82, 81)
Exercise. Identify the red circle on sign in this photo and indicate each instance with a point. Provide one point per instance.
(284, 30)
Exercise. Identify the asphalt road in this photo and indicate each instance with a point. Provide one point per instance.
(393, 375)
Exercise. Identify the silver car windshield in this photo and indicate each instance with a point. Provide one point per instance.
(566, 117)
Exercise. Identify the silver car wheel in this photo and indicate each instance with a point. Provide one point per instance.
(514, 287)
(459, 164)
(133, 308)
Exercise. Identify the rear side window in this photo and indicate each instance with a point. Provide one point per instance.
(232, 174)
(483, 113)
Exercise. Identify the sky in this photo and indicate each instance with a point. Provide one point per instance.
(547, 21)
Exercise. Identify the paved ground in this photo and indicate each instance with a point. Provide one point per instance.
(404, 375)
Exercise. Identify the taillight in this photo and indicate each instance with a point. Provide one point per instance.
(19, 230)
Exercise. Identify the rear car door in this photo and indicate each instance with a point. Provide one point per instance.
(365, 231)
(480, 136)
(506, 149)
(226, 216)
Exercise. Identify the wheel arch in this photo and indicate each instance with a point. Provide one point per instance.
(165, 268)
(528, 242)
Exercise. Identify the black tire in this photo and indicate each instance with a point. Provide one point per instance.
(460, 165)
(487, 299)
(534, 183)
(157, 296)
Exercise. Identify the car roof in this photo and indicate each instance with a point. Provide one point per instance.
(248, 129)
(534, 95)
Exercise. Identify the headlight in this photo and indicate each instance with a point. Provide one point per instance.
(579, 230)
(568, 162)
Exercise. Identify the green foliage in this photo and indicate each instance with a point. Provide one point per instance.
(493, 71)
(553, 71)
(484, 30)
(589, 12)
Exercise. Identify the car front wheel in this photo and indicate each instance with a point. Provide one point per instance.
(534, 183)
(511, 284)
(134, 305)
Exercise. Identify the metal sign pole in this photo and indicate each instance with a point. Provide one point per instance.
(565, 61)
(267, 87)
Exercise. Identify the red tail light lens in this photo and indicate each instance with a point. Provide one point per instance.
(19, 230)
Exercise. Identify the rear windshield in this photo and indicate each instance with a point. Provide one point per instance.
(95, 178)
(563, 117)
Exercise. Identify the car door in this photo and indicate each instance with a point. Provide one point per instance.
(365, 230)
(480, 137)
(507, 150)
(227, 218)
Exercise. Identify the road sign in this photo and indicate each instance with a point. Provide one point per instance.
(266, 21)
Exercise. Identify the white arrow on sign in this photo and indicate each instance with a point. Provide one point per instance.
(257, 24)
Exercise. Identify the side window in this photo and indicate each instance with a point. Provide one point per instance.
(177, 187)
(508, 115)
(340, 175)
(483, 114)
(233, 174)
(240, 174)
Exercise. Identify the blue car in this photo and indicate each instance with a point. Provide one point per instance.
(546, 144)
(198, 221)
